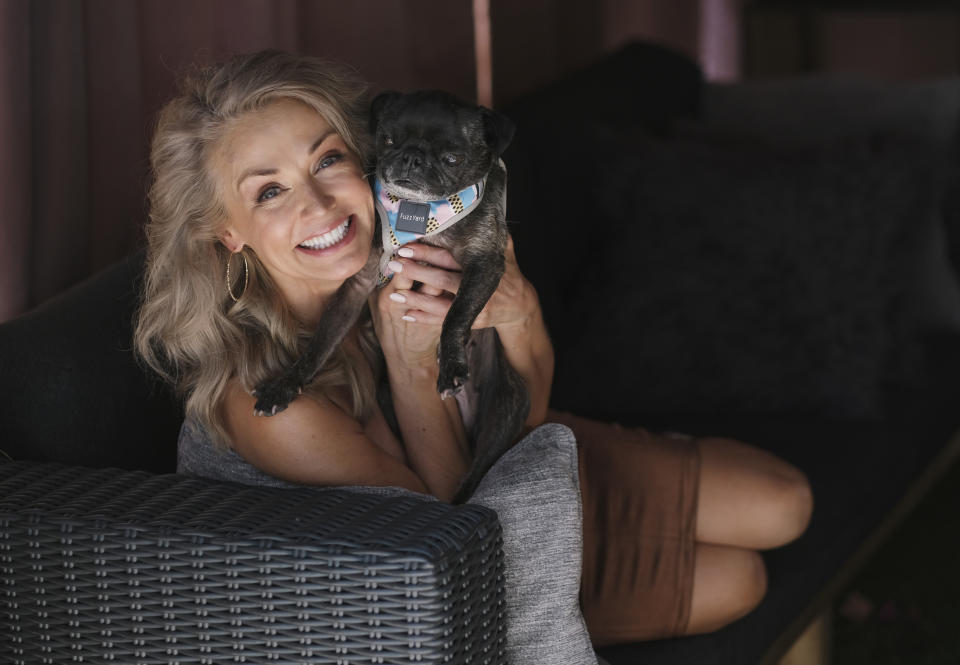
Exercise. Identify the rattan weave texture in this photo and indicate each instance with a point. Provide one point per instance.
(104, 565)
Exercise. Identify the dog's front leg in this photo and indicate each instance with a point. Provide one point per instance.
(479, 279)
(342, 312)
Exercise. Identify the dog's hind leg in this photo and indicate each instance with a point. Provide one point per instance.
(500, 411)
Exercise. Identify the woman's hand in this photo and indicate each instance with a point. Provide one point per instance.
(514, 302)
(511, 305)
(408, 321)
(409, 314)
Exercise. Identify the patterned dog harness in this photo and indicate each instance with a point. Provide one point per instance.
(403, 221)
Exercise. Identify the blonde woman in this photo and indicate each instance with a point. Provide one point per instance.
(260, 209)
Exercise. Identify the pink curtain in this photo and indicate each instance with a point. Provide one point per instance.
(82, 80)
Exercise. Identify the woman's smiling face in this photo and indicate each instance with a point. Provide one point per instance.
(296, 196)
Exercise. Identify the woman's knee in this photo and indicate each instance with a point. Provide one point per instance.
(728, 584)
(793, 499)
(785, 502)
(750, 498)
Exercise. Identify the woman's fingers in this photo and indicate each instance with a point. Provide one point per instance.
(433, 282)
(436, 256)
(422, 307)
(401, 279)
(435, 279)
(426, 289)
(426, 279)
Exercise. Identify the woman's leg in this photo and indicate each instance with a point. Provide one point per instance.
(748, 500)
(749, 497)
(728, 583)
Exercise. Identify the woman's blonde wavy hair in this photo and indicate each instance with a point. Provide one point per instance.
(188, 328)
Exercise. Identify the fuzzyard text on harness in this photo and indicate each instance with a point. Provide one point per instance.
(403, 221)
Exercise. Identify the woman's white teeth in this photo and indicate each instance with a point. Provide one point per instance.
(329, 238)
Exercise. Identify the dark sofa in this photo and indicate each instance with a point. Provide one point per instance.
(769, 261)
(766, 261)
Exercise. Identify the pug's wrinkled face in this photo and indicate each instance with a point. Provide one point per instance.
(430, 145)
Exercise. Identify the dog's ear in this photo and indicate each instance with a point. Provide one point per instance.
(379, 103)
(499, 129)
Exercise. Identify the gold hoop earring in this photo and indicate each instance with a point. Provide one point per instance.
(246, 277)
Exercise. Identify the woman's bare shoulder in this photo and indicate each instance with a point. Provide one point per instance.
(312, 442)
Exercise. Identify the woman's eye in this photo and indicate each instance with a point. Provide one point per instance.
(329, 161)
(270, 192)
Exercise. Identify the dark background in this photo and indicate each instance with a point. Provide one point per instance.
(81, 81)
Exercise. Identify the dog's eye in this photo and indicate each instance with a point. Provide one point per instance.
(451, 159)
(387, 140)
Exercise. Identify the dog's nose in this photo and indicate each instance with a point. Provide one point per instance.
(412, 159)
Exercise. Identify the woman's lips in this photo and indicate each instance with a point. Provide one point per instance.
(331, 240)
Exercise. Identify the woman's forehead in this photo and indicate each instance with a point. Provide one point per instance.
(266, 134)
(280, 117)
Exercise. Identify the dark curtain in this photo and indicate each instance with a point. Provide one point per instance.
(15, 157)
(81, 81)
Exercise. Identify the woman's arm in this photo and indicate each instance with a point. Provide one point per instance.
(312, 442)
(432, 430)
(514, 310)
(433, 433)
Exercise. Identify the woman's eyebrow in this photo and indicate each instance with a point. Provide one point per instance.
(256, 172)
(319, 141)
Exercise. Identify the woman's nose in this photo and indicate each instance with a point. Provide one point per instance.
(317, 198)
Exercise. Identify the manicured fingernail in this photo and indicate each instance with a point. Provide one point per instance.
(395, 266)
(396, 297)
(405, 252)
(407, 317)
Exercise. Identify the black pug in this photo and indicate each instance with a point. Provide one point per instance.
(439, 179)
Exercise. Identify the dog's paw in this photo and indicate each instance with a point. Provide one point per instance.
(275, 395)
(453, 375)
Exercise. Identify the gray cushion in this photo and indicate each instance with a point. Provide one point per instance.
(535, 490)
